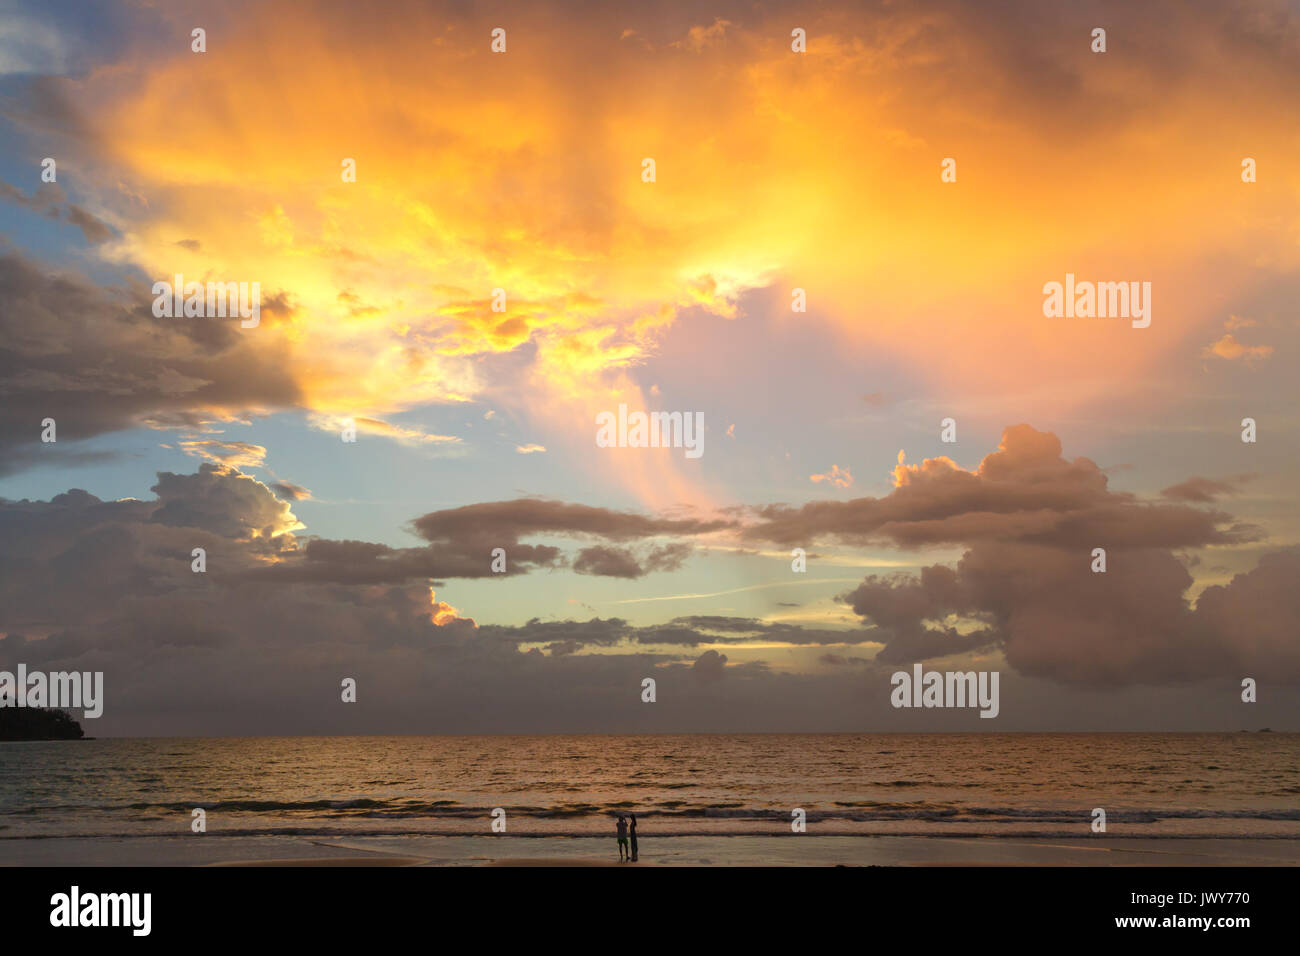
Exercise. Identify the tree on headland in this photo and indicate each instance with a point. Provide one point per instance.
(38, 723)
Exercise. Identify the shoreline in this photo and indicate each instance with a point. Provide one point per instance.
(506, 850)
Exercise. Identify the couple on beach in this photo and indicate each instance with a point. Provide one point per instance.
(624, 851)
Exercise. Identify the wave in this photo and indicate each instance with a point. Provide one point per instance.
(847, 811)
(350, 832)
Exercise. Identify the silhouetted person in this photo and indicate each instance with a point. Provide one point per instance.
(622, 839)
(632, 834)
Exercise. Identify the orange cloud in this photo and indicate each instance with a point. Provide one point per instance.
(836, 477)
(443, 613)
(477, 172)
(404, 434)
(1229, 348)
(237, 454)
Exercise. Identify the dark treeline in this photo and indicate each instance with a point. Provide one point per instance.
(38, 723)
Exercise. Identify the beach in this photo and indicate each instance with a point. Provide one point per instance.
(795, 850)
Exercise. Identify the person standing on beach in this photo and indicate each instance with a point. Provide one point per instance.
(622, 839)
(632, 834)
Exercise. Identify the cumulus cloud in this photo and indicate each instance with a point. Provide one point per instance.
(221, 500)
(108, 585)
(76, 559)
(1025, 491)
(1025, 586)
(710, 666)
(380, 320)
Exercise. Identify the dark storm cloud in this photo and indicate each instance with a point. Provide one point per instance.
(125, 567)
(1258, 613)
(1054, 618)
(900, 606)
(1031, 520)
(97, 361)
(89, 573)
(108, 585)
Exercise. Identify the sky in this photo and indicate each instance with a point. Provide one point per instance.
(501, 269)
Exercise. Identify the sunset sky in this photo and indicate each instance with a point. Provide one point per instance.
(775, 171)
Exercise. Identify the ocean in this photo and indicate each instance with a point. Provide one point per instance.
(120, 793)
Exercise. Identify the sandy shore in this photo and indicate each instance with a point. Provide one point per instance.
(554, 861)
(349, 861)
(503, 850)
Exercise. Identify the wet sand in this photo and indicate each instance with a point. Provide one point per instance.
(505, 850)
